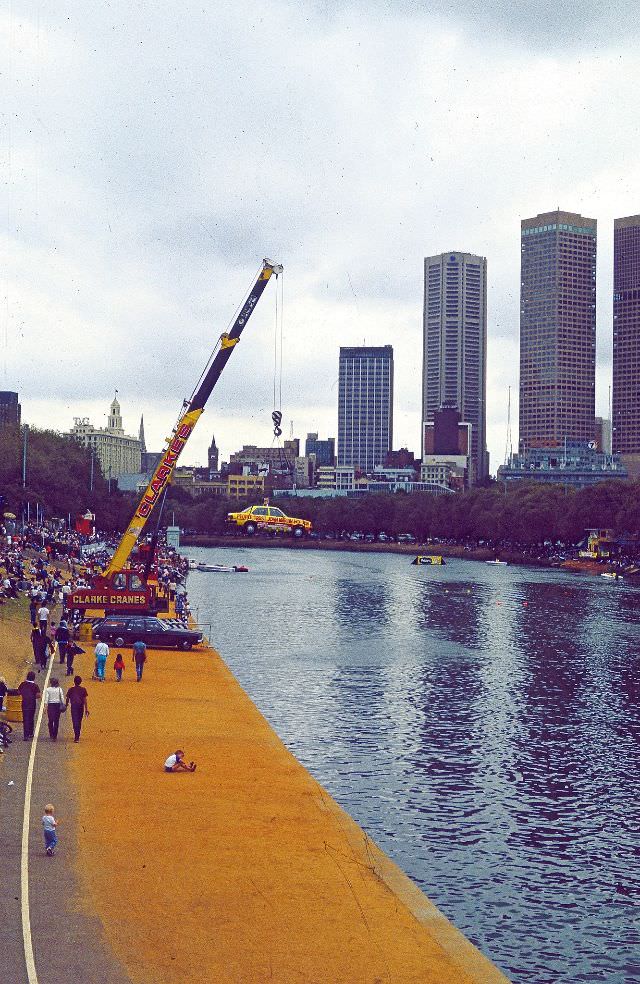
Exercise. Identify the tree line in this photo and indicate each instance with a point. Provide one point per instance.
(58, 477)
(59, 480)
(525, 514)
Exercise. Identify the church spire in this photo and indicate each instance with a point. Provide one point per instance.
(213, 456)
(143, 446)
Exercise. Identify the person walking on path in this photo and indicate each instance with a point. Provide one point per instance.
(29, 692)
(33, 608)
(36, 644)
(77, 700)
(42, 648)
(55, 704)
(140, 656)
(73, 650)
(101, 654)
(62, 637)
(43, 618)
(49, 824)
(119, 667)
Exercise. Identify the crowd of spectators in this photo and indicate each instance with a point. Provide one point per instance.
(49, 565)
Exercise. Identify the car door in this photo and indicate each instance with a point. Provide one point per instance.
(135, 631)
(154, 632)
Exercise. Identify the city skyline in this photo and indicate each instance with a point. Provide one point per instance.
(145, 183)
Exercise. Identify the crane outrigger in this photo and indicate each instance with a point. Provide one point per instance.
(117, 588)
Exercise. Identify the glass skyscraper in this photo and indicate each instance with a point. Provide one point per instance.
(455, 346)
(626, 337)
(365, 406)
(557, 329)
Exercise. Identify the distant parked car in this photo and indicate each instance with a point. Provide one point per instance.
(124, 630)
(406, 538)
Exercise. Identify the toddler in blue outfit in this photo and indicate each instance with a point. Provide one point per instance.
(49, 824)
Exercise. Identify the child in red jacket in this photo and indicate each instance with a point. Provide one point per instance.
(119, 667)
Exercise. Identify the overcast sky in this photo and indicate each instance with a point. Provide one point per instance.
(154, 152)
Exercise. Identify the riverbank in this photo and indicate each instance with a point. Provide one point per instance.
(256, 870)
(358, 546)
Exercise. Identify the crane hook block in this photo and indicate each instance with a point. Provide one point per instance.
(276, 417)
(226, 342)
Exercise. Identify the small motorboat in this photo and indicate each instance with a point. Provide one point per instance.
(222, 568)
(497, 563)
(429, 560)
(612, 576)
(193, 564)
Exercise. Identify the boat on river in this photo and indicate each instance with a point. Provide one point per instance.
(429, 560)
(497, 563)
(222, 568)
(612, 576)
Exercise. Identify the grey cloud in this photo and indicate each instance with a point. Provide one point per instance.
(531, 23)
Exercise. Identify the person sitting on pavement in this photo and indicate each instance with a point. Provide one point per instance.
(176, 763)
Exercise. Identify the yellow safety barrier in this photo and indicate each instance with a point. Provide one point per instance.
(13, 704)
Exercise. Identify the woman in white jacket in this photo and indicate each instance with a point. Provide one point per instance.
(55, 703)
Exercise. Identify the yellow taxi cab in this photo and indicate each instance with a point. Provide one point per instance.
(268, 519)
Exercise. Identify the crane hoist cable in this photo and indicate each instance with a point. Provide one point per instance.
(278, 345)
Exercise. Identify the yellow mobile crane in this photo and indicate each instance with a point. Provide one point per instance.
(117, 588)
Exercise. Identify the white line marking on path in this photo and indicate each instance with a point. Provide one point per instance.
(24, 861)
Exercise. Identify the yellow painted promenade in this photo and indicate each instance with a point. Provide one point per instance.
(246, 870)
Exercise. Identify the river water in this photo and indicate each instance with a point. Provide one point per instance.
(481, 723)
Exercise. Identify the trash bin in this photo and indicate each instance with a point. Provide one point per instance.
(13, 704)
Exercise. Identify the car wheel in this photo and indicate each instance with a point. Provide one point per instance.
(119, 641)
(250, 529)
(298, 532)
(186, 645)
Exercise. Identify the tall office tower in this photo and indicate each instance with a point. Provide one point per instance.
(557, 329)
(454, 362)
(10, 409)
(365, 406)
(626, 339)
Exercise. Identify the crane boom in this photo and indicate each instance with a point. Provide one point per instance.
(186, 422)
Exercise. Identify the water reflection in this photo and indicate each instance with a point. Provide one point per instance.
(481, 723)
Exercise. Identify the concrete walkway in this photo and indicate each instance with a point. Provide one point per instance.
(68, 941)
(245, 871)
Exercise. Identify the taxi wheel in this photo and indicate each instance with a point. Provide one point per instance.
(298, 532)
(250, 529)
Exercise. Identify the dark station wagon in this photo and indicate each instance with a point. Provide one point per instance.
(124, 630)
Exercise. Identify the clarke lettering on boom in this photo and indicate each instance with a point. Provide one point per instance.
(164, 470)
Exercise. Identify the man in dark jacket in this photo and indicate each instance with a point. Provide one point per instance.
(29, 691)
(77, 698)
(42, 648)
(62, 638)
